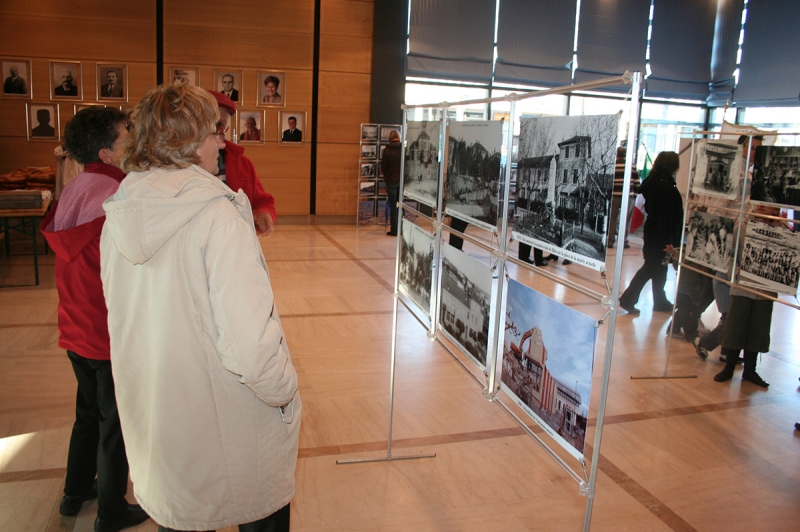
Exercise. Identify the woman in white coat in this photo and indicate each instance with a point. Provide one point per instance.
(206, 390)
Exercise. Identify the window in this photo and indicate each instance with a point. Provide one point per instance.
(566, 152)
(566, 176)
(575, 176)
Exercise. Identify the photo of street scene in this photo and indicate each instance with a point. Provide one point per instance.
(416, 265)
(718, 169)
(473, 172)
(421, 170)
(565, 177)
(548, 356)
(466, 291)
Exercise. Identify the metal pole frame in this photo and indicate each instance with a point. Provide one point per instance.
(612, 323)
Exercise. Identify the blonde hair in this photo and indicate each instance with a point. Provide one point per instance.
(172, 121)
(394, 135)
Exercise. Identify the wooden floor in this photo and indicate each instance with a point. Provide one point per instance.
(677, 454)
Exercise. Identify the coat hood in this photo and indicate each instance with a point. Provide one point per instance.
(70, 243)
(151, 206)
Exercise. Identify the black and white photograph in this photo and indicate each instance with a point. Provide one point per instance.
(229, 83)
(473, 172)
(250, 126)
(776, 177)
(291, 125)
(366, 211)
(466, 293)
(548, 356)
(369, 151)
(421, 167)
(271, 88)
(184, 74)
(16, 78)
(565, 179)
(369, 132)
(770, 258)
(66, 80)
(112, 82)
(718, 169)
(43, 121)
(367, 188)
(383, 212)
(385, 130)
(368, 169)
(416, 265)
(710, 240)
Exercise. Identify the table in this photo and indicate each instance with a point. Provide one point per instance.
(27, 226)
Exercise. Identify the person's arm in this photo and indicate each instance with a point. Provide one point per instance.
(261, 201)
(250, 342)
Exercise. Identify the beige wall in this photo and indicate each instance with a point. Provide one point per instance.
(240, 35)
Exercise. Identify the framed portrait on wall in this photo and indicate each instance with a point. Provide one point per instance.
(112, 82)
(250, 124)
(184, 74)
(66, 80)
(16, 78)
(43, 121)
(229, 83)
(291, 127)
(271, 91)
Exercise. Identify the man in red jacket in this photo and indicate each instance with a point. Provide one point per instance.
(94, 137)
(238, 172)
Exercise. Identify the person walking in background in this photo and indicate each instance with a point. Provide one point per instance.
(662, 233)
(94, 137)
(206, 389)
(390, 168)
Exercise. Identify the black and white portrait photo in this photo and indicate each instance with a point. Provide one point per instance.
(421, 167)
(473, 172)
(776, 178)
(416, 265)
(548, 356)
(770, 258)
(718, 168)
(112, 82)
(66, 80)
(565, 178)
(184, 74)
(229, 83)
(43, 121)
(466, 292)
(16, 78)
(710, 240)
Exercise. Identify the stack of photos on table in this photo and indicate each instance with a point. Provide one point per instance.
(548, 356)
(472, 191)
(416, 265)
(710, 241)
(421, 167)
(564, 182)
(465, 305)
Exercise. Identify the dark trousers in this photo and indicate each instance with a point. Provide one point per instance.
(525, 253)
(96, 445)
(461, 226)
(710, 340)
(688, 311)
(651, 270)
(393, 191)
(277, 522)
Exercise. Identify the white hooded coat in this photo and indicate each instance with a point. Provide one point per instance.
(200, 363)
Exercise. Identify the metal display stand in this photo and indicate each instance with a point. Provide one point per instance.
(499, 253)
(373, 161)
(739, 213)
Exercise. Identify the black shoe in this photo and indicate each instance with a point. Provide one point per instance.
(724, 375)
(627, 245)
(666, 306)
(541, 263)
(132, 516)
(701, 351)
(566, 262)
(755, 378)
(551, 257)
(70, 506)
(797, 426)
(390, 233)
(630, 309)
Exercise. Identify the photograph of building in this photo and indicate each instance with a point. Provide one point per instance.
(421, 170)
(718, 169)
(416, 265)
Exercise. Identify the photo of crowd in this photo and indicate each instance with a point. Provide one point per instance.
(710, 240)
(770, 258)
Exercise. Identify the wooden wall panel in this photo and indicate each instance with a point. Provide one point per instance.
(343, 53)
(291, 195)
(344, 89)
(275, 16)
(347, 17)
(336, 197)
(341, 125)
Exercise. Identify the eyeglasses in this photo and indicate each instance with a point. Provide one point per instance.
(220, 136)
